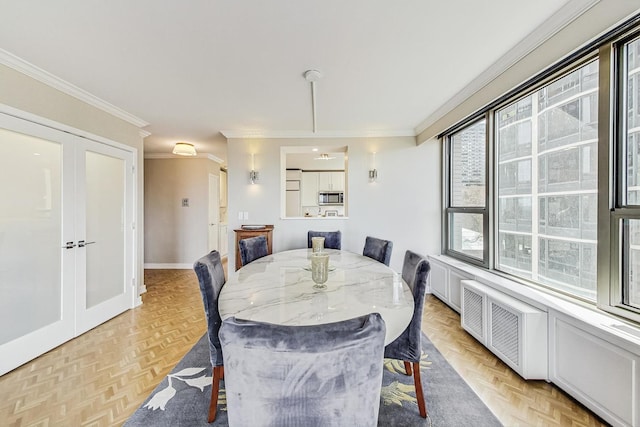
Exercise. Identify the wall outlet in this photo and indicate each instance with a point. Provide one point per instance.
(185, 203)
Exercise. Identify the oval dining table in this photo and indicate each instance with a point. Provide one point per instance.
(278, 289)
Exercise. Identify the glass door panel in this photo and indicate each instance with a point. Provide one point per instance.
(30, 232)
(105, 234)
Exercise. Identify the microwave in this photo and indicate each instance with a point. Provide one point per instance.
(330, 198)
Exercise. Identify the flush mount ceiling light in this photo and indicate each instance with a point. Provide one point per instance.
(312, 76)
(324, 156)
(184, 149)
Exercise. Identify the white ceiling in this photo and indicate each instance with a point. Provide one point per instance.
(192, 69)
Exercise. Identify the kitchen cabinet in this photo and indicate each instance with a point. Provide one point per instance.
(309, 189)
(331, 181)
(223, 189)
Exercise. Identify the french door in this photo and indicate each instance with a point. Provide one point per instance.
(66, 237)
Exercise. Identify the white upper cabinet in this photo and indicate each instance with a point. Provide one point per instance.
(331, 181)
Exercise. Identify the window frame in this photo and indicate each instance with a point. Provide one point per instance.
(449, 211)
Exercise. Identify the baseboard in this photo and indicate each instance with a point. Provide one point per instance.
(168, 266)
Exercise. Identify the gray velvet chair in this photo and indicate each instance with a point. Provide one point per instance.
(378, 249)
(252, 249)
(320, 375)
(211, 279)
(332, 239)
(407, 346)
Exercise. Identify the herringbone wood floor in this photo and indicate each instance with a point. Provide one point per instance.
(101, 377)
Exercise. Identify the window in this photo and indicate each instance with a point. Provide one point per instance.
(627, 212)
(555, 131)
(467, 213)
(562, 206)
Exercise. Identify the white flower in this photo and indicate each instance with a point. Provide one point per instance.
(160, 399)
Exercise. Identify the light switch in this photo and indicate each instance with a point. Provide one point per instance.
(240, 216)
(246, 215)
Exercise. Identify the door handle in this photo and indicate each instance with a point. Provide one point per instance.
(69, 245)
(82, 243)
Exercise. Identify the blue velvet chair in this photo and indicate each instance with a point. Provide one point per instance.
(252, 249)
(378, 249)
(407, 346)
(332, 239)
(211, 279)
(320, 375)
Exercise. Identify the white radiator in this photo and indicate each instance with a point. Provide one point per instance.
(514, 331)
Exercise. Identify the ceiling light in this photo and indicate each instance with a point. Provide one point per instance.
(324, 156)
(184, 149)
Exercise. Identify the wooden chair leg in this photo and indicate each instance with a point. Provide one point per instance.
(419, 394)
(218, 374)
(407, 367)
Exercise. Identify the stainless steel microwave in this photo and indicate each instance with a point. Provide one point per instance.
(330, 198)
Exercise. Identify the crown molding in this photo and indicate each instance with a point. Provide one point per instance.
(175, 156)
(143, 133)
(24, 67)
(567, 14)
(253, 134)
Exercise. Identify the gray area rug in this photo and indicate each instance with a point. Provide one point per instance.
(182, 398)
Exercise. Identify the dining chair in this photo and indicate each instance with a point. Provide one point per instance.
(332, 239)
(407, 347)
(211, 279)
(319, 375)
(378, 249)
(253, 248)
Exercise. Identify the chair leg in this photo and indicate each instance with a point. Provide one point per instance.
(419, 394)
(407, 367)
(218, 374)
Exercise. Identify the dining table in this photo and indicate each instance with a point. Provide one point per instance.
(279, 289)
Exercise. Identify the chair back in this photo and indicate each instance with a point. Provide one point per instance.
(378, 249)
(332, 239)
(415, 271)
(253, 248)
(211, 279)
(320, 375)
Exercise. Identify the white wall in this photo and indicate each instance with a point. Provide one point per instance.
(402, 206)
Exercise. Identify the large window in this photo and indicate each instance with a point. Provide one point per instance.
(467, 213)
(561, 209)
(629, 205)
(547, 184)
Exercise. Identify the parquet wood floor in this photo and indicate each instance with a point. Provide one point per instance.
(101, 377)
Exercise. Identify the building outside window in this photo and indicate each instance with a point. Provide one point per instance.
(467, 196)
(547, 184)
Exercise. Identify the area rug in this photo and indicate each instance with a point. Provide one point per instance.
(182, 398)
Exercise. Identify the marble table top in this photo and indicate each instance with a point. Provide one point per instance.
(278, 289)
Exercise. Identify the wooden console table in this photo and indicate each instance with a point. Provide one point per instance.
(243, 233)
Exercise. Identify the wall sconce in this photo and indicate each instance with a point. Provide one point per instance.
(253, 174)
(373, 172)
(184, 149)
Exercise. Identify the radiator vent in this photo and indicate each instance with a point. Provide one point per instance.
(504, 332)
(473, 312)
(514, 331)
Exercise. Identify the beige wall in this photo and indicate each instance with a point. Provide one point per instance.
(596, 21)
(402, 206)
(175, 236)
(27, 94)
